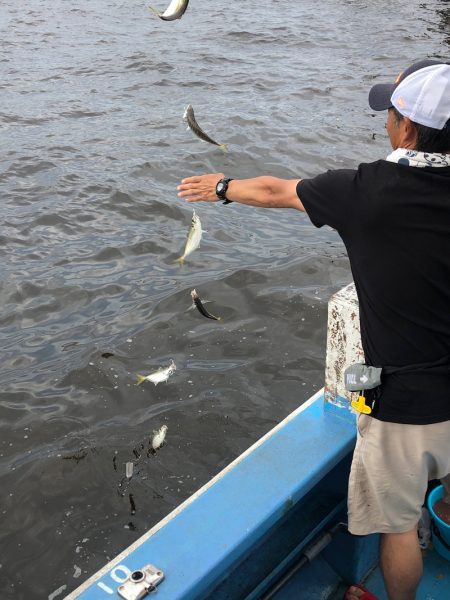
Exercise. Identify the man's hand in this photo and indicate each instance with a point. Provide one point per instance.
(201, 188)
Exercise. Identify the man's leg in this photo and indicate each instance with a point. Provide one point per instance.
(401, 564)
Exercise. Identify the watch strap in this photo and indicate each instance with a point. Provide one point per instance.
(226, 181)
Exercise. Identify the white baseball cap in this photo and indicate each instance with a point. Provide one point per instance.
(421, 93)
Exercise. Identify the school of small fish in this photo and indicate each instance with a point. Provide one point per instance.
(175, 10)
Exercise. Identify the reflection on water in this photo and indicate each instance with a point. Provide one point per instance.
(93, 146)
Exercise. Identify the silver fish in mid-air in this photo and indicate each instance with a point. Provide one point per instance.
(158, 438)
(158, 376)
(193, 239)
(189, 117)
(175, 10)
(201, 308)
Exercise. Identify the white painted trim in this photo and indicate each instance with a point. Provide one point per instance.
(83, 587)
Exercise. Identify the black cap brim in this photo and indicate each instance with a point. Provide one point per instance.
(380, 96)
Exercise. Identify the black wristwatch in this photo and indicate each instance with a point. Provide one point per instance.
(221, 189)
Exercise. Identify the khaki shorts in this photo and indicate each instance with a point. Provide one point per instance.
(391, 467)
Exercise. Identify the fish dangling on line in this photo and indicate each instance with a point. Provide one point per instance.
(158, 376)
(201, 308)
(175, 10)
(193, 239)
(189, 117)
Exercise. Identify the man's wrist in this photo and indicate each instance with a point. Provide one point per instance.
(221, 189)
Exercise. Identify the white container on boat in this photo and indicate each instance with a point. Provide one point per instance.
(343, 344)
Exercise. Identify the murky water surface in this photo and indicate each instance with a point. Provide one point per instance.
(92, 148)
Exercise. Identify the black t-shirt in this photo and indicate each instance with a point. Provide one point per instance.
(395, 223)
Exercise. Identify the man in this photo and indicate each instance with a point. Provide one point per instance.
(394, 218)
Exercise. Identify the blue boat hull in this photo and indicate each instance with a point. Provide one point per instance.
(239, 534)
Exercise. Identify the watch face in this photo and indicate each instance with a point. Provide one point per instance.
(220, 186)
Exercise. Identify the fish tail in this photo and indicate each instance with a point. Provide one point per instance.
(223, 147)
(156, 12)
(141, 379)
(180, 261)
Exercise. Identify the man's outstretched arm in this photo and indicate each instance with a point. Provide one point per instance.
(264, 192)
